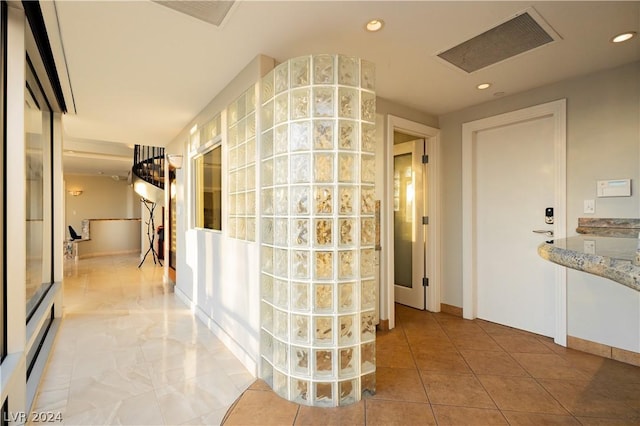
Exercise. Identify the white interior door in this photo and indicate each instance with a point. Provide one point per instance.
(409, 232)
(516, 167)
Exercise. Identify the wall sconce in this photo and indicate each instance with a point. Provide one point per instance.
(76, 192)
(175, 160)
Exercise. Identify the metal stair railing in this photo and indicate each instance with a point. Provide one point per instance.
(148, 164)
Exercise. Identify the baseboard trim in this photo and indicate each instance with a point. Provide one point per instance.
(451, 310)
(605, 351)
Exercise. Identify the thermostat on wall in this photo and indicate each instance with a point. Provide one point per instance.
(614, 188)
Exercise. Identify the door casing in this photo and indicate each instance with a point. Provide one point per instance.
(557, 110)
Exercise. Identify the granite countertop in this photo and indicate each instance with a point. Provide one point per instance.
(609, 257)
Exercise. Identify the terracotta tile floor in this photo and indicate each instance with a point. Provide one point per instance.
(439, 369)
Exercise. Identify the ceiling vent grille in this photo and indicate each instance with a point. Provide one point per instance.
(211, 11)
(513, 37)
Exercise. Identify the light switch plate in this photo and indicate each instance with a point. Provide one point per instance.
(589, 246)
(589, 206)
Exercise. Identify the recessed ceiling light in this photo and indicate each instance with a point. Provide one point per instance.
(374, 25)
(483, 86)
(624, 37)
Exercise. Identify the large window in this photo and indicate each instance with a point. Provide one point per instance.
(38, 139)
(208, 178)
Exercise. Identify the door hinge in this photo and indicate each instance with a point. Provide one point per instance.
(425, 159)
(425, 220)
(425, 282)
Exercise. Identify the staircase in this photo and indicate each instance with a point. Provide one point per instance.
(147, 173)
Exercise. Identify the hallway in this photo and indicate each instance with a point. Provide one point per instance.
(128, 352)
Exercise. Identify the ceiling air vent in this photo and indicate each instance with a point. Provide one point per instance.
(211, 11)
(524, 32)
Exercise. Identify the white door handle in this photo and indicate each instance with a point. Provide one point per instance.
(544, 231)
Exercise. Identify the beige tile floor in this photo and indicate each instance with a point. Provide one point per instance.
(128, 352)
(440, 369)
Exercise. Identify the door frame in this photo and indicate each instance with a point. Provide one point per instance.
(431, 136)
(556, 110)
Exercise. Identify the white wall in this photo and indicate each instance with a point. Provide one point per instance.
(102, 198)
(603, 128)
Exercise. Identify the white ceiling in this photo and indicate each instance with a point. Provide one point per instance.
(139, 71)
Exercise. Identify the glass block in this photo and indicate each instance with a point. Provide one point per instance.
(281, 262)
(323, 394)
(300, 71)
(323, 362)
(300, 264)
(251, 151)
(267, 115)
(346, 167)
(281, 234)
(194, 141)
(348, 361)
(368, 171)
(300, 328)
(241, 231)
(281, 294)
(367, 325)
(281, 201)
(251, 126)
(323, 298)
(300, 360)
(323, 265)
(368, 384)
(267, 370)
(367, 75)
(346, 264)
(233, 158)
(347, 135)
(368, 137)
(347, 229)
(347, 103)
(282, 77)
(281, 172)
(367, 262)
(322, 134)
(280, 384)
(267, 201)
(348, 71)
(266, 316)
(323, 102)
(251, 177)
(267, 173)
(300, 296)
(280, 355)
(300, 136)
(323, 167)
(346, 296)
(300, 232)
(281, 139)
(300, 104)
(300, 392)
(368, 106)
(347, 329)
(267, 144)
(324, 232)
(242, 127)
(368, 294)
(347, 391)
(368, 357)
(323, 330)
(268, 89)
(300, 170)
(281, 113)
(240, 180)
(232, 204)
(232, 225)
(266, 344)
(267, 259)
(266, 287)
(347, 198)
(212, 129)
(323, 71)
(368, 200)
(251, 203)
(251, 99)
(323, 196)
(232, 114)
(267, 230)
(299, 198)
(251, 229)
(280, 324)
(241, 106)
(367, 231)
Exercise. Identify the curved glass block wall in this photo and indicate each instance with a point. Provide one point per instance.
(318, 229)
